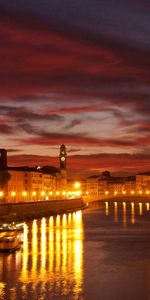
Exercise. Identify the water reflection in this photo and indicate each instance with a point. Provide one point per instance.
(128, 211)
(106, 208)
(115, 212)
(147, 206)
(140, 209)
(132, 213)
(50, 263)
(124, 214)
(52, 256)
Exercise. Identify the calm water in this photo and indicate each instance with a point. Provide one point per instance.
(100, 253)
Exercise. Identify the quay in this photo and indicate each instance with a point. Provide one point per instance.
(123, 198)
(38, 209)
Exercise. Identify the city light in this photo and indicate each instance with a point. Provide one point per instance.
(42, 193)
(24, 193)
(147, 206)
(1, 194)
(33, 193)
(77, 185)
(13, 194)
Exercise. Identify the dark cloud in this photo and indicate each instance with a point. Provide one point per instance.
(31, 160)
(47, 138)
(61, 67)
(121, 164)
(73, 124)
(31, 116)
(23, 113)
(13, 150)
(5, 129)
(88, 65)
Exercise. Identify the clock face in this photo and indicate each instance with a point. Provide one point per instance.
(62, 158)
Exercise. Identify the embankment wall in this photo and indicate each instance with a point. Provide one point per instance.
(117, 198)
(31, 210)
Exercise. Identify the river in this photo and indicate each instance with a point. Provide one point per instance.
(101, 253)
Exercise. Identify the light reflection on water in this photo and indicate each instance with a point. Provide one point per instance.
(131, 210)
(76, 256)
(51, 260)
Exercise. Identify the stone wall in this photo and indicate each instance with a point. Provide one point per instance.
(38, 209)
(125, 198)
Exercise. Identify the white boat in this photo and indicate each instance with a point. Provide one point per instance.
(9, 241)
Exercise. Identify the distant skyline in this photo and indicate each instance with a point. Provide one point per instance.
(77, 73)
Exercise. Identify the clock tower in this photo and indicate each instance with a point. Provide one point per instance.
(63, 156)
(63, 167)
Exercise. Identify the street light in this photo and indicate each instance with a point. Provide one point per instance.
(33, 193)
(77, 185)
(63, 193)
(1, 194)
(13, 194)
(24, 193)
(42, 193)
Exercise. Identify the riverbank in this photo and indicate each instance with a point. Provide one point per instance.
(32, 210)
(117, 198)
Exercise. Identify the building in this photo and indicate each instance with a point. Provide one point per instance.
(96, 185)
(143, 183)
(115, 188)
(30, 184)
(130, 185)
(106, 185)
(3, 159)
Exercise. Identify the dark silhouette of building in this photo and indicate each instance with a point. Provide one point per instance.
(3, 159)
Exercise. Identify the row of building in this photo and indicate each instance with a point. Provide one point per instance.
(36, 183)
(108, 185)
(19, 184)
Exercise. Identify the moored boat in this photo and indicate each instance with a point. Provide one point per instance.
(11, 226)
(9, 241)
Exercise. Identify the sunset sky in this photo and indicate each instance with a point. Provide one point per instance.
(76, 72)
